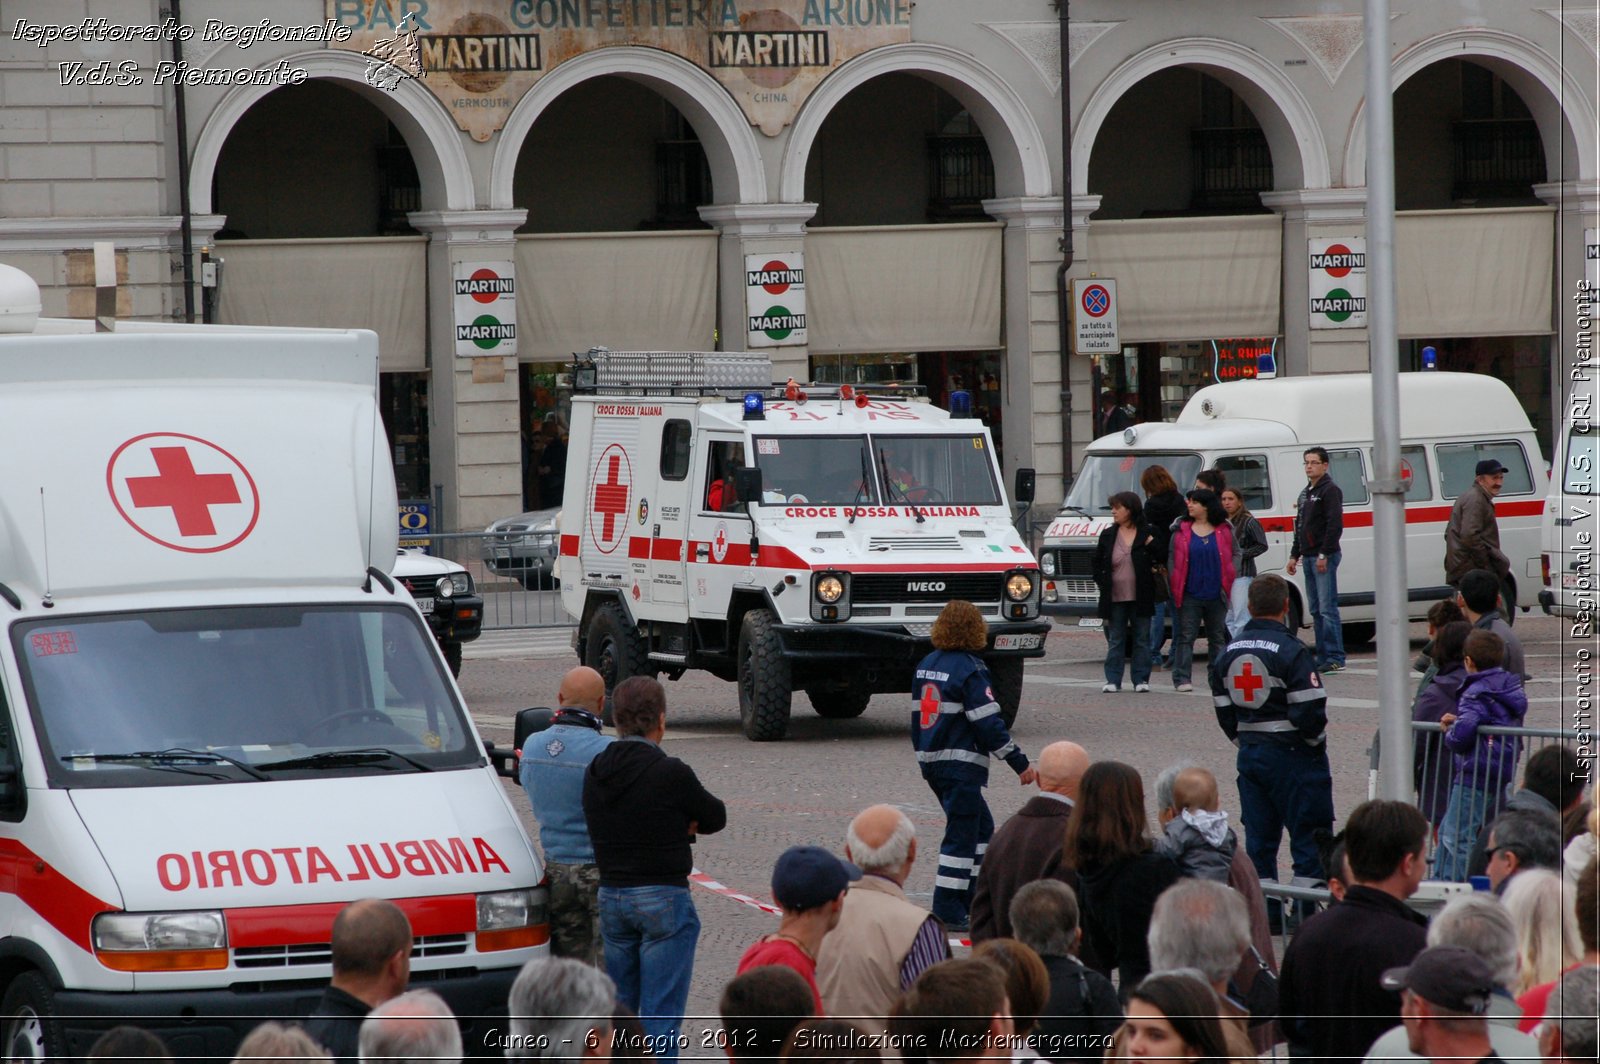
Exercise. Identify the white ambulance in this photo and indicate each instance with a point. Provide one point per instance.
(220, 720)
(1256, 432)
(1571, 525)
(789, 539)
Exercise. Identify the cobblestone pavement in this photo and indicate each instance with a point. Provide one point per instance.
(806, 789)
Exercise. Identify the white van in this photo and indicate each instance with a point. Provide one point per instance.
(220, 719)
(1256, 432)
(1567, 538)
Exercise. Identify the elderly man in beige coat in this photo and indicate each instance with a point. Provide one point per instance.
(883, 942)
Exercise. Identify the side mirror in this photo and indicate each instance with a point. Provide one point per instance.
(747, 483)
(529, 721)
(1025, 486)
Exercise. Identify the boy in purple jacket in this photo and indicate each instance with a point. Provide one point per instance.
(1485, 764)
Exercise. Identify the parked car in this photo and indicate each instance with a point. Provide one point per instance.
(444, 593)
(524, 548)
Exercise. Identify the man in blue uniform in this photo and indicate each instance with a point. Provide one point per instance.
(955, 729)
(1270, 703)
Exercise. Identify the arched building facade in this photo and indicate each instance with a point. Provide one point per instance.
(631, 166)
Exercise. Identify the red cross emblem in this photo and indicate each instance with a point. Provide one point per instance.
(719, 545)
(183, 492)
(1248, 681)
(928, 708)
(613, 482)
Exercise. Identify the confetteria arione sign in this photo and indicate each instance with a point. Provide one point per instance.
(775, 299)
(486, 308)
(1339, 282)
(480, 57)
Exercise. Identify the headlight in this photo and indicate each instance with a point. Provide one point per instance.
(829, 588)
(453, 584)
(161, 942)
(513, 919)
(1048, 563)
(1018, 587)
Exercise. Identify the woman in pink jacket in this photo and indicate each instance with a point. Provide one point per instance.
(1203, 562)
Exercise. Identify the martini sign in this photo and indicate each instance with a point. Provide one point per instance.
(775, 300)
(486, 309)
(1339, 282)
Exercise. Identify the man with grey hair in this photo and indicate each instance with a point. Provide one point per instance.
(1028, 846)
(1520, 839)
(1569, 1032)
(882, 941)
(1082, 1005)
(1479, 923)
(560, 1009)
(1201, 925)
(414, 1027)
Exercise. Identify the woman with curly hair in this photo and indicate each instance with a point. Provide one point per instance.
(955, 728)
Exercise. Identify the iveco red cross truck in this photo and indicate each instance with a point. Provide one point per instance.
(791, 539)
(220, 719)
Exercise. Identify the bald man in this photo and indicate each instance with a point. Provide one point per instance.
(882, 942)
(553, 764)
(1028, 846)
(371, 947)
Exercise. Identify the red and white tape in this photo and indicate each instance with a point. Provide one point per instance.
(700, 879)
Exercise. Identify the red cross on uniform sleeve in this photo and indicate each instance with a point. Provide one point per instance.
(928, 708)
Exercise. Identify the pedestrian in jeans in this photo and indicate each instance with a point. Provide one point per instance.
(1162, 506)
(644, 810)
(1484, 764)
(1201, 568)
(1127, 590)
(1318, 524)
(1252, 541)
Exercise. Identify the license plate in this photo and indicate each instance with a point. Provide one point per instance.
(1018, 642)
(1089, 622)
(1574, 581)
(425, 605)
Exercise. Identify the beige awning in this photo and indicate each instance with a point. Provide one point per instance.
(1482, 272)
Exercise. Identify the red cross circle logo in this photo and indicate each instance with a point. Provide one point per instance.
(719, 542)
(613, 483)
(1247, 681)
(928, 707)
(183, 492)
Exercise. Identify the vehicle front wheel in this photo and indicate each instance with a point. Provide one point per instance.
(32, 1030)
(615, 650)
(765, 681)
(1006, 673)
(838, 702)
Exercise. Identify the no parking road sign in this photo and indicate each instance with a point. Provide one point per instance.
(1094, 317)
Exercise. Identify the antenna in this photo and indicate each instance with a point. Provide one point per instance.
(44, 526)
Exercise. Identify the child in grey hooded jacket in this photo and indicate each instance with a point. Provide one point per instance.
(1197, 837)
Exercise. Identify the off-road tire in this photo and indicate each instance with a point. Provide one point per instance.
(838, 702)
(28, 1021)
(765, 681)
(614, 649)
(452, 656)
(1006, 675)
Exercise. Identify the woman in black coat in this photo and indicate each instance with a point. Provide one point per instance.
(1127, 585)
(1163, 504)
(1120, 875)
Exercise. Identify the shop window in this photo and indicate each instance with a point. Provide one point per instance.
(1458, 464)
(1248, 474)
(675, 436)
(1350, 473)
(403, 399)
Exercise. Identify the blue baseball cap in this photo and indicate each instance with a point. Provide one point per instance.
(808, 876)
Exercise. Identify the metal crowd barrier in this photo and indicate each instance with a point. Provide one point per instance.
(507, 603)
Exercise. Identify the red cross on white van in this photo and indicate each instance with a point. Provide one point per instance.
(183, 492)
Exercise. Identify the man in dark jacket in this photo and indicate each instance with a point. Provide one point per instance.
(1028, 846)
(644, 810)
(1472, 538)
(1082, 1011)
(1270, 702)
(1331, 1003)
(1479, 598)
(1318, 524)
(371, 945)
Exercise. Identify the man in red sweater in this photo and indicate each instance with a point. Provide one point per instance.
(809, 884)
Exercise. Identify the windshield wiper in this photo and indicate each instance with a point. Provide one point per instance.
(372, 755)
(890, 485)
(1077, 510)
(173, 758)
(866, 479)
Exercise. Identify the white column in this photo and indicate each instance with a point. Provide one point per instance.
(474, 440)
(755, 229)
(1309, 213)
(1030, 403)
(1578, 207)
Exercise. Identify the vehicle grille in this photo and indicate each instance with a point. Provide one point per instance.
(1075, 563)
(896, 587)
(929, 543)
(310, 953)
